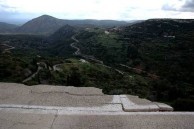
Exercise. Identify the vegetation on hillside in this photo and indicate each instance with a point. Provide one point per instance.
(14, 68)
(152, 59)
(74, 72)
(160, 47)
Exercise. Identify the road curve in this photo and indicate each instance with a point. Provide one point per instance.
(78, 52)
(8, 49)
(33, 75)
(89, 57)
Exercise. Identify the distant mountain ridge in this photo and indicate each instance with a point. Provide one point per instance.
(5, 27)
(46, 24)
(161, 27)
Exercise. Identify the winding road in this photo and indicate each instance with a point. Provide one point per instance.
(78, 52)
(7, 49)
(89, 57)
(34, 74)
(56, 67)
(140, 71)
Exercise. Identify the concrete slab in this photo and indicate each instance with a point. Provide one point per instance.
(124, 122)
(44, 119)
(14, 120)
(164, 107)
(86, 91)
(47, 107)
(146, 103)
(116, 99)
(61, 110)
(19, 94)
(130, 106)
(138, 101)
(72, 99)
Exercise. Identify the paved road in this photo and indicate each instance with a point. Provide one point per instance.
(77, 52)
(34, 74)
(8, 49)
(56, 67)
(88, 57)
(139, 71)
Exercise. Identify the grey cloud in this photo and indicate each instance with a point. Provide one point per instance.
(7, 8)
(11, 15)
(168, 8)
(14, 17)
(187, 7)
(7, 12)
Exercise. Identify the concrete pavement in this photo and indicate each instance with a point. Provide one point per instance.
(71, 97)
(14, 119)
(61, 107)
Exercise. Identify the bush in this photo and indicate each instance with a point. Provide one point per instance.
(183, 105)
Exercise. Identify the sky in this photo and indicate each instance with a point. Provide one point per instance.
(23, 10)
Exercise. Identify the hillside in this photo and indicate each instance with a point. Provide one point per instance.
(63, 33)
(59, 42)
(161, 27)
(5, 27)
(161, 47)
(152, 59)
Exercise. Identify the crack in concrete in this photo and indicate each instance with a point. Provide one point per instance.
(56, 115)
(64, 92)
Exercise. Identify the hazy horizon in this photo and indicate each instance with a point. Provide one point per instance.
(20, 11)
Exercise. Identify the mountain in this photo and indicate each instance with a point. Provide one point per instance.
(42, 25)
(5, 27)
(59, 41)
(63, 33)
(46, 24)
